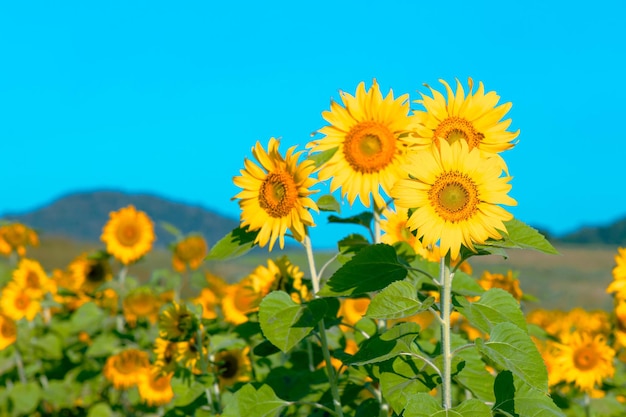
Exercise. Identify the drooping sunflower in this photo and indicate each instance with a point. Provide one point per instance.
(455, 194)
(8, 331)
(189, 253)
(88, 272)
(15, 237)
(190, 352)
(127, 368)
(31, 276)
(177, 323)
(585, 360)
(141, 304)
(233, 366)
(128, 234)
(476, 119)
(18, 302)
(155, 389)
(275, 195)
(371, 135)
(166, 355)
(507, 282)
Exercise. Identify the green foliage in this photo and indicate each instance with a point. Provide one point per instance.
(320, 158)
(235, 244)
(396, 301)
(249, 401)
(363, 219)
(397, 340)
(328, 202)
(519, 235)
(514, 397)
(494, 307)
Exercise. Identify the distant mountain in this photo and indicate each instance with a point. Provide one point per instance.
(612, 234)
(81, 216)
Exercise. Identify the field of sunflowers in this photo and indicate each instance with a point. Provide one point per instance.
(399, 325)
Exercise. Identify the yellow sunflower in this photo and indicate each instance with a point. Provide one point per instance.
(15, 237)
(189, 253)
(166, 353)
(233, 366)
(275, 195)
(586, 360)
(31, 276)
(240, 300)
(455, 194)
(618, 286)
(127, 368)
(371, 135)
(156, 389)
(18, 302)
(189, 354)
(8, 331)
(507, 282)
(87, 273)
(128, 234)
(141, 303)
(177, 323)
(209, 302)
(353, 309)
(216, 284)
(476, 119)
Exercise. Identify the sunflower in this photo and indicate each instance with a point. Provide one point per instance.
(18, 302)
(177, 323)
(233, 366)
(88, 272)
(127, 368)
(475, 119)
(280, 275)
(15, 237)
(586, 360)
(209, 303)
(189, 354)
(240, 300)
(8, 331)
(507, 282)
(31, 276)
(275, 196)
(128, 234)
(216, 284)
(618, 286)
(353, 309)
(141, 303)
(156, 389)
(455, 194)
(371, 135)
(189, 253)
(166, 353)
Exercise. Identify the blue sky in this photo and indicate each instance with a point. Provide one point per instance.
(169, 97)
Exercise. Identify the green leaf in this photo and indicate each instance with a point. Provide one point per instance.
(285, 322)
(328, 202)
(103, 345)
(494, 307)
(521, 236)
(424, 405)
(49, 346)
(237, 243)
(352, 243)
(249, 402)
(511, 348)
(396, 301)
(87, 317)
(401, 379)
(399, 339)
(170, 228)
(100, 410)
(371, 269)
(185, 392)
(516, 398)
(25, 397)
(473, 375)
(465, 285)
(363, 219)
(320, 158)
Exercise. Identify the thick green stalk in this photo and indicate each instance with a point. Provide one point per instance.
(330, 371)
(445, 277)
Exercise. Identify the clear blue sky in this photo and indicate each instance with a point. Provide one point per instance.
(169, 97)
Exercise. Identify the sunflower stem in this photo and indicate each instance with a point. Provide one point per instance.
(446, 384)
(121, 278)
(330, 371)
(19, 363)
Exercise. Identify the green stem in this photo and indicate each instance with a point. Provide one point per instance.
(19, 363)
(121, 278)
(446, 302)
(377, 232)
(330, 371)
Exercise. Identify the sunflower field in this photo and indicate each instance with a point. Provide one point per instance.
(398, 326)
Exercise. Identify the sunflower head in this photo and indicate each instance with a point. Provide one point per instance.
(88, 272)
(189, 253)
(474, 118)
(18, 302)
(209, 303)
(177, 323)
(155, 389)
(276, 194)
(455, 195)
(353, 309)
(127, 368)
(370, 135)
(31, 276)
(15, 237)
(166, 355)
(128, 234)
(507, 282)
(141, 304)
(8, 331)
(233, 366)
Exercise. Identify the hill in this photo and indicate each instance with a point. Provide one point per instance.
(82, 215)
(611, 234)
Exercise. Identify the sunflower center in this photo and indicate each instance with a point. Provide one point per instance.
(22, 301)
(278, 194)
(128, 363)
(169, 354)
(160, 383)
(454, 196)
(7, 329)
(95, 272)
(142, 304)
(32, 280)
(455, 128)
(128, 234)
(228, 366)
(585, 358)
(369, 147)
